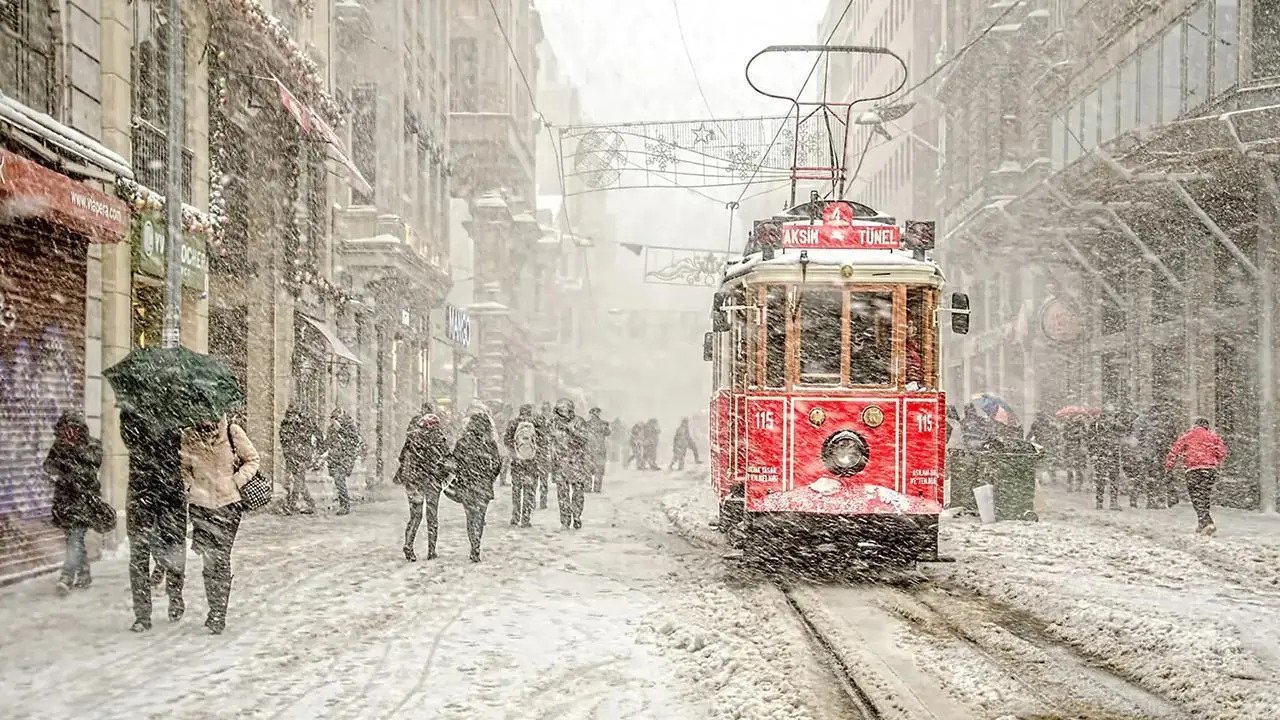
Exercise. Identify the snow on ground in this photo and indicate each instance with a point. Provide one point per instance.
(619, 620)
(1191, 618)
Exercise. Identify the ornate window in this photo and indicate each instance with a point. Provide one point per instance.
(28, 50)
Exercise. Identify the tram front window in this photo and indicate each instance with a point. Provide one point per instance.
(775, 341)
(870, 337)
(820, 313)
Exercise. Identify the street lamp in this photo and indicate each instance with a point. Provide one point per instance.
(876, 119)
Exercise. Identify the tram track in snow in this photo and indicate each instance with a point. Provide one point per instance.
(845, 676)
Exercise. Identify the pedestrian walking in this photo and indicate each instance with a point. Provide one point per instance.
(72, 466)
(569, 443)
(1200, 450)
(1104, 455)
(155, 515)
(1043, 433)
(651, 437)
(526, 440)
(681, 444)
(501, 417)
(422, 472)
(598, 431)
(1075, 456)
(217, 460)
(618, 441)
(547, 466)
(342, 446)
(477, 464)
(637, 447)
(300, 441)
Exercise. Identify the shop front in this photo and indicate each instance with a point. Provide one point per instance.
(47, 221)
(147, 237)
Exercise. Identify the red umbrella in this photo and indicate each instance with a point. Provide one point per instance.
(1076, 411)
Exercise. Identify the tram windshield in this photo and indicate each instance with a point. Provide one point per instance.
(831, 336)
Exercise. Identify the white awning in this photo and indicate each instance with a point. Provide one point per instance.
(337, 348)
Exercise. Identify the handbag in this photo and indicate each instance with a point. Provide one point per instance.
(102, 517)
(256, 493)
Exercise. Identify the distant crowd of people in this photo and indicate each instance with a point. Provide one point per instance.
(1123, 452)
(193, 482)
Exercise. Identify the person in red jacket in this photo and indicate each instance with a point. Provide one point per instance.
(1201, 451)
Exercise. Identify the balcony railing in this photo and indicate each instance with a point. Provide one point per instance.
(150, 159)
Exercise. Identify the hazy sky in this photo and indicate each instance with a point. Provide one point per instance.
(627, 60)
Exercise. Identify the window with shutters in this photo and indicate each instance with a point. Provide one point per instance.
(151, 101)
(27, 53)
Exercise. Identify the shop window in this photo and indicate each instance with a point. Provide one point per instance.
(148, 315)
(1107, 108)
(775, 339)
(1226, 45)
(1129, 94)
(1171, 74)
(1149, 85)
(820, 313)
(870, 337)
(1197, 57)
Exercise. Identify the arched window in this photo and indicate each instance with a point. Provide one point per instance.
(28, 53)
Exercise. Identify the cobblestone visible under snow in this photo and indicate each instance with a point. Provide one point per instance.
(618, 620)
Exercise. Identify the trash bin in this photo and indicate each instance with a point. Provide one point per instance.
(1014, 477)
(964, 473)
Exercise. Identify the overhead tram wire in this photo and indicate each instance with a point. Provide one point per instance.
(960, 53)
(734, 205)
(675, 7)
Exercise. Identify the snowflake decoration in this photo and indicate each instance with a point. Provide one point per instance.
(660, 153)
(742, 160)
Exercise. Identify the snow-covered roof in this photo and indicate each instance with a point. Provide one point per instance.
(865, 264)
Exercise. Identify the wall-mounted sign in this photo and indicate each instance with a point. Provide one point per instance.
(148, 237)
(457, 325)
(1060, 320)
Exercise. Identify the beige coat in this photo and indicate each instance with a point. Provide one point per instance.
(208, 467)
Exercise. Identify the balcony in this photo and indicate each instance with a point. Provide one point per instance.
(150, 159)
(492, 150)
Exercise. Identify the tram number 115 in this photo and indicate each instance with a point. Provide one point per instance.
(764, 420)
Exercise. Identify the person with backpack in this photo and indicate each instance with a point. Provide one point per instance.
(72, 466)
(217, 460)
(525, 439)
(1200, 450)
(598, 431)
(569, 442)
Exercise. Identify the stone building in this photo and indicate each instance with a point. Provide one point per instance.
(1109, 197)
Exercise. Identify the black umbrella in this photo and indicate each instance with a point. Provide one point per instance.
(173, 388)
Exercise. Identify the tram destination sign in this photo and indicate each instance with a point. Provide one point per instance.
(838, 231)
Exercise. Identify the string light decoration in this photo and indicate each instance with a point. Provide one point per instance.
(145, 201)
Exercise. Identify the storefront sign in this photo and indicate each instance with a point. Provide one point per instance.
(29, 188)
(148, 238)
(457, 325)
(1060, 320)
(838, 231)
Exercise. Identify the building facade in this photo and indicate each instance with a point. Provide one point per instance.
(1108, 203)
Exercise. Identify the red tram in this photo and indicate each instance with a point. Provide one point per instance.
(828, 423)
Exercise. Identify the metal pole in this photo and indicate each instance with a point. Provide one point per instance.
(173, 192)
(1267, 411)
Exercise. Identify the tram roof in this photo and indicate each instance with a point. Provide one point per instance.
(828, 264)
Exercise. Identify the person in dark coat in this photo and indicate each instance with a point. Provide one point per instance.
(547, 467)
(681, 444)
(526, 442)
(598, 431)
(477, 464)
(572, 463)
(342, 446)
(1104, 455)
(72, 466)
(422, 472)
(636, 449)
(155, 515)
(300, 441)
(1075, 457)
(651, 437)
(1043, 432)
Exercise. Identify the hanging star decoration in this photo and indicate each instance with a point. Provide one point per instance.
(703, 135)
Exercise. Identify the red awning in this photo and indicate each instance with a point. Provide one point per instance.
(312, 124)
(29, 189)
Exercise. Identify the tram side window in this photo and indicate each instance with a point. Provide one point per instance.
(921, 349)
(870, 337)
(775, 341)
(820, 314)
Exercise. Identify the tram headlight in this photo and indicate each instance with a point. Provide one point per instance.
(845, 453)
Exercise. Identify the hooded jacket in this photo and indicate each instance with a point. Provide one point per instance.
(209, 465)
(72, 466)
(1199, 449)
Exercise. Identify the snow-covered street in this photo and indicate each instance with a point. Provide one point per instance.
(622, 619)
